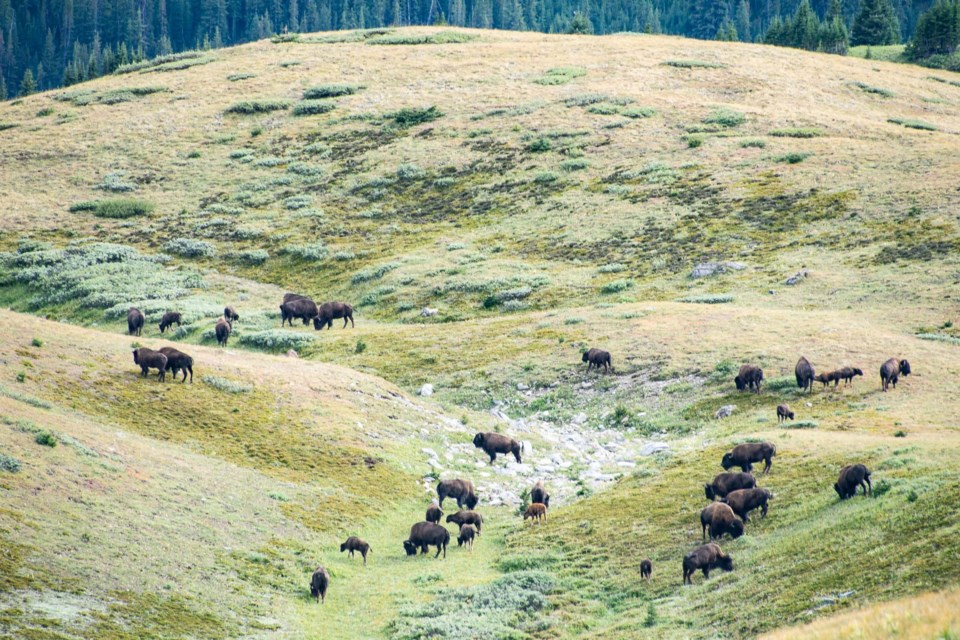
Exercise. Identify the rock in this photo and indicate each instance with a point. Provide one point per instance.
(427, 312)
(426, 390)
(725, 411)
(527, 446)
(653, 447)
(626, 464)
(522, 387)
(706, 269)
(797, 278)
(292, 354)
(579, 419)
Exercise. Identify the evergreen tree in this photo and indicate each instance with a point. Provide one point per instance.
(938, 31)
(3, 88)
(28, 85)
(706, 16)
(48, 62)
(580, 24)
(805, 28)
(875, 24)
(742, 20)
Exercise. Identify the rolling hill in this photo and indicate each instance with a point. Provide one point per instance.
(650, 195)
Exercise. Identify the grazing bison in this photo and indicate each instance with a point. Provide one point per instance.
(848, 373)
(460, 490)
(426, 534)
(230, 314)
(724, 483)
(744, 455)
(851, 477)
(749, 377)
(434, 513)
(177, 360)
(539, 494)
(223, 329)
(536, 511)
(646, 568)
(891, 370)
(461, 518)
(743, 501)
(805, 374)
(494, 443)
(319, 583)
(150, 359)
(354, 543)
(596, 358)
(721, 519)
(784, 413)
(330, 311)
(823, 378)
(299, 307)
(705, 558)
(169, 319)
(134, 321)
(467, 533)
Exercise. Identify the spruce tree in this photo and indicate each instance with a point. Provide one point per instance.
(937, 32)
(580, 24)
(28, 85)
(875, 24)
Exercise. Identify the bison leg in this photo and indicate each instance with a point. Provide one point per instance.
(493, 456)
(763, 510)
(704, 532)
(351, 322)
(706, 572)
(769, 463)
(516, 454)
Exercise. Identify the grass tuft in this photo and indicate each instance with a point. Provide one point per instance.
(913, 124)
(253, 107)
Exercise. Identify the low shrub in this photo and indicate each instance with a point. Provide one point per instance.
(708, 298)
(313, 107)
(46, 439)
(692, 64)
(545, 177)
(694, 141)
(9, 464)
(289, 63)
(190, 248)
(343, 256)
(118, 209)
(638, 112)
(277, 340)
(561, 75)
(604, 109)
(114, 182)
(939, 337)
(574, 164)
(794, 157)
(331, 91)
(228, 386)
(252, 107)
(886, 93)
(913, 124)
(234, 77)
(726, 118)
(315, 251)
(540, 145)
(587, 99)
(613, 267)
(158, 61)
(305, 169)
(36, 342)
(360, 347)
(374, 273)
(456, 246)
(4, 126)
(253, 256)
(617, 286)
(799, 424)
(297, 202)
(410, 171)
(797, 132)
(441, 37)
(413, 116)
(753, 144)
(85, 205)
(46, 111)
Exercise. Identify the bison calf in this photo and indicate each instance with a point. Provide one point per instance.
(424, 535)
(891, 370)
(319, 583)
(539, 494)
(719, 517)
(354, 543)
(705, 558)
(467, 533)
(460, 490)
(134, 321)
(848, 373)
(149, 359)
(597, 358)
(646, 568)
(536, 511)
(784, 413)
(466, 517)
(744, 455)
(169, 319)
(743, 501)
(434, 513)
(851, 477)
(494, 443)
(724, 483)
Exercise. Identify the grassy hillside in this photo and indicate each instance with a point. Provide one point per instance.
(545, 194)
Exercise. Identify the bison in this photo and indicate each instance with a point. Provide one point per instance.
(891, 370)
(461, 490)
(354, 543)
(743, 501)
(646, 568)
(724, 483)
(303, 308)
(223, 329)
(466, 517)
(426, 534)
(467, 533)
(851, 477)
(596, 358)
(824, 378)
(539, 494)
(848, 373)
(230, 314)
(805, 374)
(319, 583)
(169, 319)
(134, 321)
(784, 413)
(536, 511)
(744, 455)
(177, 360)
(721, 519)
(434, 513)
(749, 377)
(494, 443)
(150, 359)
(330, 311)
(705, 558)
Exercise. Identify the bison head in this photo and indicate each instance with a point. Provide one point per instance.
(452, 517)
(726, 562)
(727, 461)
(857, 372)
(585, 356)
(905, 367)
(739, 382)
(736, 529)
(409, 547)
(546, 500)
(840, 492)
(709, 492)
(790, 414)
(478, 440)
(317, 325)
(136, 356)
(472, 501)
(343, 547)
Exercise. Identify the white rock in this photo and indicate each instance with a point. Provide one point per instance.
(522, 387)
(426, 390)
(427, 312)
(725, 411)
(653, 447)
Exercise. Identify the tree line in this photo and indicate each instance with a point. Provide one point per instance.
(51, 43)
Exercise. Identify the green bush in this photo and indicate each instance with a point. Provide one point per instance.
(410, 171)
(331, 91)
(793, 157)
(913, 124)
(886, 93)
(360, 347)
(276, 340)
(252, 107)
(8, 125)
(726, 118)
(692, 64)
(612, 267)
(545, 177)
(190, 248)
(114, 182)
(313, 107)
(314, 252)
(799, 424)
(708, 298)
(305, 169)
(37, 342)
(46, 439)
(617, 286)
(638, 112)
(9, 464)
(540, 145)
(574, 164)
(118, 208)
(755, 144)
(253, 256)
(694, 141)
(796, 132)
(234, 77)
(159, 61)
(442, 37)
(297, 202)
(46, 111)
(587, 99)
(412, 116)
(561, 75)
(228, 386)
(374, 273)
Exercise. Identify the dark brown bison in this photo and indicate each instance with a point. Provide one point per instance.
(719, 517)
(460, 490)
(466, 517)
(354, 543)
(319, 583)
(646, 568)
(169, 319)
(539, 494)
(724, 483)
(705, 558)
(536, 511)
(805, 374)
(744, 455)
(749, 378)
(424, 535)
(743, 501)
(494, 443)
(597, 358)
(434, 513)
(851, 477)
(134, 321)
(223, 329)
(891, 370)
(467, 533)
(848, 373)
(303, 308)
(784, 413)
(230, 314)
(149, 359)
(330, 311)
(178, 360)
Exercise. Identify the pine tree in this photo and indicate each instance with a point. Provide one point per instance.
(3, 87)
(937, 32)
(49, 61)
(875, 24)
(805, 28)
(706, 16)
(742, 20)
(727, 32)
(580, 24)
(28, 85)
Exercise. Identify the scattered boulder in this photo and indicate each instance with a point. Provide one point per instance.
(654, 447)
(797, 278)
(707, 269)
(427, 312)
(426, 390)
(725, 411)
